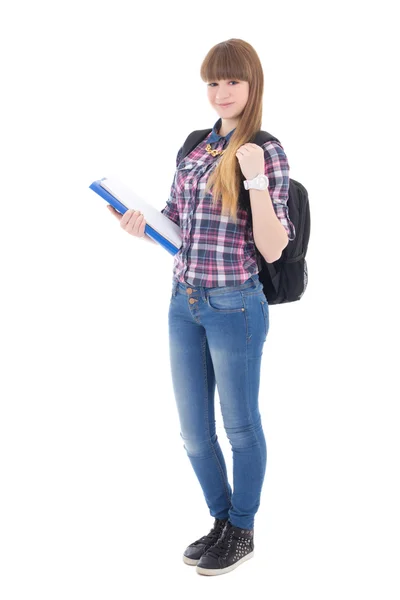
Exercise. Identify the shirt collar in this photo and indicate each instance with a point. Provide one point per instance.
(215, 137)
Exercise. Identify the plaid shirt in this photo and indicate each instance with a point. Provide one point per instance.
(216, 252)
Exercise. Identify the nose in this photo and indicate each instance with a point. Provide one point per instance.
(221, 98)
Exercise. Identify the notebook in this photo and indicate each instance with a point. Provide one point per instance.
(161, 229)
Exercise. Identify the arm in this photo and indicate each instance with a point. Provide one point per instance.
(171, 209)
(272, 228)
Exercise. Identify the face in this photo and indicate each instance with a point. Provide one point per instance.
(233, 91)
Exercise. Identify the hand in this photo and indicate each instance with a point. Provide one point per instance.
(251, 160)
(132, 221)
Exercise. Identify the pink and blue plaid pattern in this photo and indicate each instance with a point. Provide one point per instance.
(216, 252)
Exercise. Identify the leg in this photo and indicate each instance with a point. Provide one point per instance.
(236, 340)
(194, 389)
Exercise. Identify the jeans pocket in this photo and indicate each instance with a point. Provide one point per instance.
(229, 302)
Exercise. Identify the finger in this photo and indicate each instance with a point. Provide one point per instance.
(138, 225)
(129, 218)
(259, 148)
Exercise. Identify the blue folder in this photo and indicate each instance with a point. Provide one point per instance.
(121, 208)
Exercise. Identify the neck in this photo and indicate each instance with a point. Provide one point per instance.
(227, 125)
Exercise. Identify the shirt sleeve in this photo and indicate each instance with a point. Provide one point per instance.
(277, 171)
(171, 209)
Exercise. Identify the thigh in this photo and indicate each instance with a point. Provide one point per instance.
(192, 373)
(237, 325)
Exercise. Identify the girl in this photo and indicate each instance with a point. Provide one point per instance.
(218, 315)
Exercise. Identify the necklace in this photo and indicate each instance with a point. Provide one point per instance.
(214, 152)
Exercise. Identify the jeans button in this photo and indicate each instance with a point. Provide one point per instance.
(189, 291)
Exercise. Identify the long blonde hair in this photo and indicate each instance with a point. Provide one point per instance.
(234, 59)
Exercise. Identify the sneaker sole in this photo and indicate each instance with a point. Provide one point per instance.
(190, 561)
(204, 571)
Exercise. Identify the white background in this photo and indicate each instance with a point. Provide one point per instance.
(98, 497)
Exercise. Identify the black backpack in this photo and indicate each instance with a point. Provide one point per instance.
(284, 280)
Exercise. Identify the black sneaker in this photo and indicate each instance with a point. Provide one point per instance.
(194, 551)
(234, 546)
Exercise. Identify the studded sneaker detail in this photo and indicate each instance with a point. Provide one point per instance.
(234, 546)
(194, 551)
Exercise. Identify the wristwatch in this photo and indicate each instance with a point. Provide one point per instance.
(260, 182)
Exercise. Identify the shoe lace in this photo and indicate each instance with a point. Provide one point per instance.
(213, 534)
(222, 545)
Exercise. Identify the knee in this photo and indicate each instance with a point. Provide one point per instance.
(245, 436)
(199, 446)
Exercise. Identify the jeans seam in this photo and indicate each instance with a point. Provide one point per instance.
(208, 423)
(249, 415)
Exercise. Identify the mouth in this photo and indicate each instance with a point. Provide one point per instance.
(225, 105)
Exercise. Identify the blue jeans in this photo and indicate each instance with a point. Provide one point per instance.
(216, 337)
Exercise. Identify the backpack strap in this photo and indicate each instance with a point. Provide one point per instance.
(193, 139)
(263, 136)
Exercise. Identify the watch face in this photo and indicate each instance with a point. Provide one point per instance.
(262, 181)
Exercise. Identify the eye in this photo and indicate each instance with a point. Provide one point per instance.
(232, 81)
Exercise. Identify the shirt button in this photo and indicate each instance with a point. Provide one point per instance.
(189, 291)
(192, 300)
